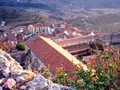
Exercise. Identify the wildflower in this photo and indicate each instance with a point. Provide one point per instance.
(105, 68)
(80, 81)
(3, 81)
(111, 65)
(38, 69)
(77, 65)
(56, 68)
(48, 66)
(88, 61)
(52, 76)
(92, 59)
(96, 77)
(36, 72)
(106, 50)
(61, 65)
(99, 51)
(79, 88)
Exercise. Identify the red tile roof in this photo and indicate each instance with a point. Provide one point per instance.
(77, 48)
(19, 29)
(9, 45)
(37, 25)
(84, 33)
(3, 38)
(51, 53)
(74, 41)
(11, 37)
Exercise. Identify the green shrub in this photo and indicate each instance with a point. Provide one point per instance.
(20, 46)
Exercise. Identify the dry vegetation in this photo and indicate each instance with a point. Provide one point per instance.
(104, 22)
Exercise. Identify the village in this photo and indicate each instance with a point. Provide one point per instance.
(40, 45)
(54, 44)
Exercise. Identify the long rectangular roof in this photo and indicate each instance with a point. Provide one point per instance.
(51, 53)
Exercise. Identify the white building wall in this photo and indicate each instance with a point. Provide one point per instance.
(31, 29)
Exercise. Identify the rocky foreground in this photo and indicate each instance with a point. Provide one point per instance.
(13, 77)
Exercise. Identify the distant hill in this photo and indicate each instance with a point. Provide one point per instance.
(86, 3)
(52, 4)
(20, 16)
(104, 23)
(95, 3)
(60, 9)
(25, 4)
(81, 3)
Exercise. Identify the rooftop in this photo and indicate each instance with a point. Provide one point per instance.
(36, 25)
(51, 53)
(77, 48)
(17, 53)
(74, 41)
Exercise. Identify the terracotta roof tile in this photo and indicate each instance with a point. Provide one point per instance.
(11, 37)
(51, 53)
(84, 33)
(9, 45)
(37, 25)
(74, 41)
(78, 47)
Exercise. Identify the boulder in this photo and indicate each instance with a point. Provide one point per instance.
(8, 64)
(38, 82)
(22, 76)
(58, 87)
(12, 76)
(11, 71)
(10, 83)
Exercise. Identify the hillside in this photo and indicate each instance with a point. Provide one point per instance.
(71, 11)
(14, 3)
(82, 3)
(106, 23)
(19, 16)
(15, 16)
(52, 4)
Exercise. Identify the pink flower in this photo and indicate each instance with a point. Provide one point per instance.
(78, 65)
(79, 88)
(88, 61)
(99, 51)
(105, 68)
(106, 50)
(61, 65)
(48, 66)
(51, 75)
(38, 69)
(3, 81)
(92, 59)
(36, 72)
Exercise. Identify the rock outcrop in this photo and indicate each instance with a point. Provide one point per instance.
(12, 74)
(13, 77)
(38, 82)
(8, 64)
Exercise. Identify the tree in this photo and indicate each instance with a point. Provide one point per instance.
(20, 46)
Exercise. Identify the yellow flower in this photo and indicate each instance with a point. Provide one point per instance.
(96, 77)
